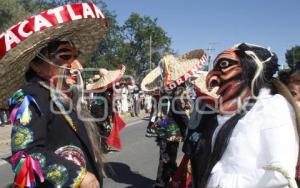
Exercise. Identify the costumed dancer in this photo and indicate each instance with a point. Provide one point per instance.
(103, 106)
(249, 136)
(40, 69)
(171, 78)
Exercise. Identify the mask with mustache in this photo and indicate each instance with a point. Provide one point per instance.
(227, 75)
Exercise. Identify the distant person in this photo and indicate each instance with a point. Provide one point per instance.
(102, 108)
(294, 85)
(168, 122)
(124, 99)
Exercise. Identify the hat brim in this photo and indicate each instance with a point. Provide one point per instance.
(200, 83)
(86, 34)
(151, 82)
(111, 77)
(186, 66)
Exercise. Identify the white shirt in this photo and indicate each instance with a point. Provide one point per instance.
(265, 136)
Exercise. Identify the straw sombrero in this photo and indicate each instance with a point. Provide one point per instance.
(173, 71)
(105, 79)
(199, 80)
(82, 23)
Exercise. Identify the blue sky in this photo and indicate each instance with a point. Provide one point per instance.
(220, 23)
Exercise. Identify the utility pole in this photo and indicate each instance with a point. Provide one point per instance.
(210, 51)
(150, 52)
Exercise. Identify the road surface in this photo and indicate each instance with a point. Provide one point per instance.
(134, 166)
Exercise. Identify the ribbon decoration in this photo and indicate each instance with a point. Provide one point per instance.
(24, 166)
(60, 106)
(21, 112)
(164, 71)
(114, 138)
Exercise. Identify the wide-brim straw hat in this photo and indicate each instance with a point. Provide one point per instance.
(173, 71)
(81, 23)
(105, 79)
(199, 80)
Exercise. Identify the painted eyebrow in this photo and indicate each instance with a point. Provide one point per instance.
(63, 50)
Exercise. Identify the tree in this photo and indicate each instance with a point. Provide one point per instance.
(109, 53)
(128, 44)
(10, 13)
(292, 57)
(136, 32)
(13, 11)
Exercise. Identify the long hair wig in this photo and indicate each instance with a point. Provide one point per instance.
(259, 65)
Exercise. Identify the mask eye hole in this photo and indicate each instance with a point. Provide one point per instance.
(293, 93)
(224, 64)
(65, 57)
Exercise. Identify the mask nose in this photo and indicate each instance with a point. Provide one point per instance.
(212, 81)
(76, 67)
(75, 71)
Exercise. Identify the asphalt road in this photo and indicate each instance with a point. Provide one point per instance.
(135, 166)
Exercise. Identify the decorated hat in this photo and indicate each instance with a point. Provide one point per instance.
(105, 79)
(173, 71)
(199, 80)
(81, 23)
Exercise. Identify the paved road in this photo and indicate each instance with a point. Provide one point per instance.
(6, 175)
(134, 167)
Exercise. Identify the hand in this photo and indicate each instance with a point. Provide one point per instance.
(89, 181)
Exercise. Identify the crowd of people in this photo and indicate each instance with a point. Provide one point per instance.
(239, 123)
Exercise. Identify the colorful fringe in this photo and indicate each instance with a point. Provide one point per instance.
(21, 112)
(24, 166)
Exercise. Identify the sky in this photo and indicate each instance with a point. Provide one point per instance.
(219, 24)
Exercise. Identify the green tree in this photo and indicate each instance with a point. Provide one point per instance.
(136, 32)
(292, 57)
(128, 44)
(13, 11)
(110, 48)
(10, 13)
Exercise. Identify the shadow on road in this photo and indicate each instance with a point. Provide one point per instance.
(122, 173)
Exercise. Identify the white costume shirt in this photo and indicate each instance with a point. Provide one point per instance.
(263, 140)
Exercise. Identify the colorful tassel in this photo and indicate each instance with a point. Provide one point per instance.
(24, 166)
(21, 113)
